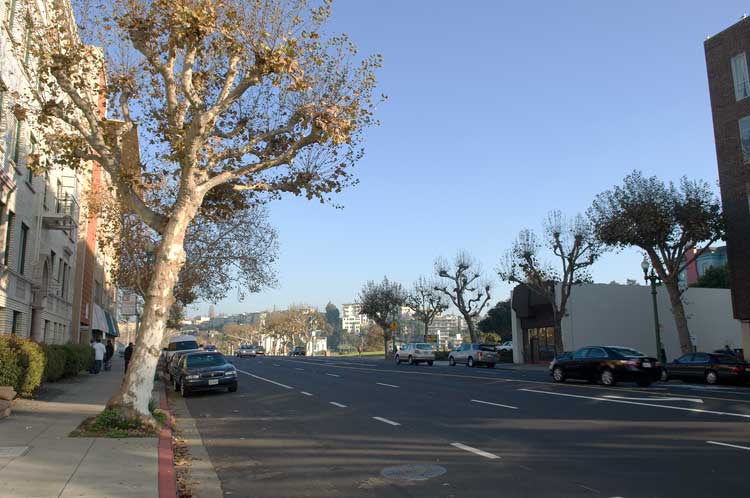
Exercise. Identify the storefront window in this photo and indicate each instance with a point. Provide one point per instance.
(540, 344)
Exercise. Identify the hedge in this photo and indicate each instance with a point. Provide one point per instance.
(24, 364)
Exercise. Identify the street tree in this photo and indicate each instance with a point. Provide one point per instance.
(381, 302)
(714, 278)
(497, 320)
(575, 246)
(672, 224)
(463, 283)
(425, 302)
(333, 319)
(229, 98)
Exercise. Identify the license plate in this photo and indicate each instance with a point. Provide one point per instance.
(213, 382)
(646, 364)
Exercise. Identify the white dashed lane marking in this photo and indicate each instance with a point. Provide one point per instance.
(385, 420)
(736, 446)
(386, 385)
(306, 393)
(494, 404)
(337, 404)
(476, 451)
(333, 375)
(266, 380)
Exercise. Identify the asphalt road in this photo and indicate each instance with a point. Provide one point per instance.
(316, 427)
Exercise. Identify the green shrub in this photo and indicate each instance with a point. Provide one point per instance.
(31, 359)
(441, 355)
(10, 370)
(55, 365)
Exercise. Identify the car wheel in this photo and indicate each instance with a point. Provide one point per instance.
(451, 361)
(664, 375)
(470, 362)
(183, 390)
(429, 363)
(411, 360)
(558, 375)
(397, 360)
(232, 389)
(606, 377)
(712, 378)
(644, 383)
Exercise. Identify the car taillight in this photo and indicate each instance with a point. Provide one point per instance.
(738, 369)
(630, 363)
(657, 364)
(479, 354)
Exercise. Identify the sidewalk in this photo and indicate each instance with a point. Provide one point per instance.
(39, 460)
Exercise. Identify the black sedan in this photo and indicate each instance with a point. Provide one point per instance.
(608, 365)
(710, 368)
(204, 371)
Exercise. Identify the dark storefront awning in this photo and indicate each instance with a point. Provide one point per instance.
(104, 322)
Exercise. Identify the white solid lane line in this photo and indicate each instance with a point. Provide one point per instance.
(333, 375)
(337, 404)
(668, 407)
(306, 393)
(385, 420)
(693, 400)
(460, 446)
(267, 380)
(302, 369)
(276, 364)
(386, 385)
(729, 445)
(494, 404)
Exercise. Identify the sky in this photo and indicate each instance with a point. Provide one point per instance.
(497, 113)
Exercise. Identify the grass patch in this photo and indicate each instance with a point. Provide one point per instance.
(366, 353)
(112, 424)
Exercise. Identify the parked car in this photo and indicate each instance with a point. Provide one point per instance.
(711, 368)
(415, 353)
(209, 347)
(172, 365)
(608, 365)
(204, 371)
(298, 351)
(505, 346)
(180, 343)
(474, 354)
(245, 350)
(260, 350)
(564, 356)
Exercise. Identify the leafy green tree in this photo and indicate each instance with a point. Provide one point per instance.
(498, 320)
(714, 278)
(667, 222)
(381, 303)
(333, 318)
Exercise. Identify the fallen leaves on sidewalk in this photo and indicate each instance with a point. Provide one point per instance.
(182, 467)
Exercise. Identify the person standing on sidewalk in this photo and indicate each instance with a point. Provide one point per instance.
(99, 352)
(128, 354)
(110, 353)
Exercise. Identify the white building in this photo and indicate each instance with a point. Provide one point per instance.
(622, 315)
(352, 320)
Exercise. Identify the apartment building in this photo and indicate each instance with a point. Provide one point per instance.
(729, 89)
(352, 319)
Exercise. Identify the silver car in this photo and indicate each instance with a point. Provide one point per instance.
(414, 353)
(246, 350)
(474, 354)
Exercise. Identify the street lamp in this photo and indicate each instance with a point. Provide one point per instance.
(653, 278)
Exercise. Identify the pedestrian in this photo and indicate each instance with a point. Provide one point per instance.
(110, 352)
(128, 354)
(93, 364)
(99, 352)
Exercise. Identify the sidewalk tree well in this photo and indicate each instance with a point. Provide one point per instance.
(425, 302)
(229, 98)
(381, 302)
(575, 247)
(667, 222)
(462, 282)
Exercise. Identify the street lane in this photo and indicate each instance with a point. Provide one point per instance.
(545, 435)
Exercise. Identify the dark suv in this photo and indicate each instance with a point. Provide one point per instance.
(297, 351)
(608, 365)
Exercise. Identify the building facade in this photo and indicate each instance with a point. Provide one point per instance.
(352, 320)
(713, 257)
(729, 89)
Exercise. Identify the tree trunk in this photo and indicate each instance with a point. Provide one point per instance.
(385, 344)
(472, 329)
(678, 310)
(132, 398)
(426, 327)
(558, 334)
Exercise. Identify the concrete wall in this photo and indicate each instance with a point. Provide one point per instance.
(622, 315)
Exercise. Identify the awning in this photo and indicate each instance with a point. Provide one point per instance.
(104, 322)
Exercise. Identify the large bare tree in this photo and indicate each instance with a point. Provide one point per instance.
(425, 302)
(381, 302)
(463, 283)
(672, 224)
(229, 98)
(573, 243)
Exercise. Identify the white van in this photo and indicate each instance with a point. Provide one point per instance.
(181, 343)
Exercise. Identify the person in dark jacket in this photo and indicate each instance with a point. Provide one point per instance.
(128, 354)
(108, 356)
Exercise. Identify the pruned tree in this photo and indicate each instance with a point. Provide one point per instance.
(573, 243)
(425, 302)
(381, 302)
(672, 224)
(229, 98)
(463, 283)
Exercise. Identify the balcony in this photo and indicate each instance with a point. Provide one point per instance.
(64, 216)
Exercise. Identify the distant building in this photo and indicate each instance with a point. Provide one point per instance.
(352, 320)
(714, 257)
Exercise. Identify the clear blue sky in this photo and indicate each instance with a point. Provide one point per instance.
(498, 112)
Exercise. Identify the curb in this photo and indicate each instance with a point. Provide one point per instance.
(167, 482)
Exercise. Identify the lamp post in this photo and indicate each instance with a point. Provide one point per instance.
(652, 278)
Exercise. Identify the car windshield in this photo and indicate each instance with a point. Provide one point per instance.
(628, 352)
(205, 360)
(427, 347)
(183, 345)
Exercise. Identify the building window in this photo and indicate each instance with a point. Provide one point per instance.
(745, 138)
(52, 256)
(64, 268)
(22, 248)
(740, 76)
(15, 327)
(9, 224)
(29, 172)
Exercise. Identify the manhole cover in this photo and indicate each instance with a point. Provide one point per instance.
(418, 472)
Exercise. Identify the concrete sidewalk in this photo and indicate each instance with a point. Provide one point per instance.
(39, 460)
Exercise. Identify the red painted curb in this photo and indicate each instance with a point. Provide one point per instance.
(167, 482)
